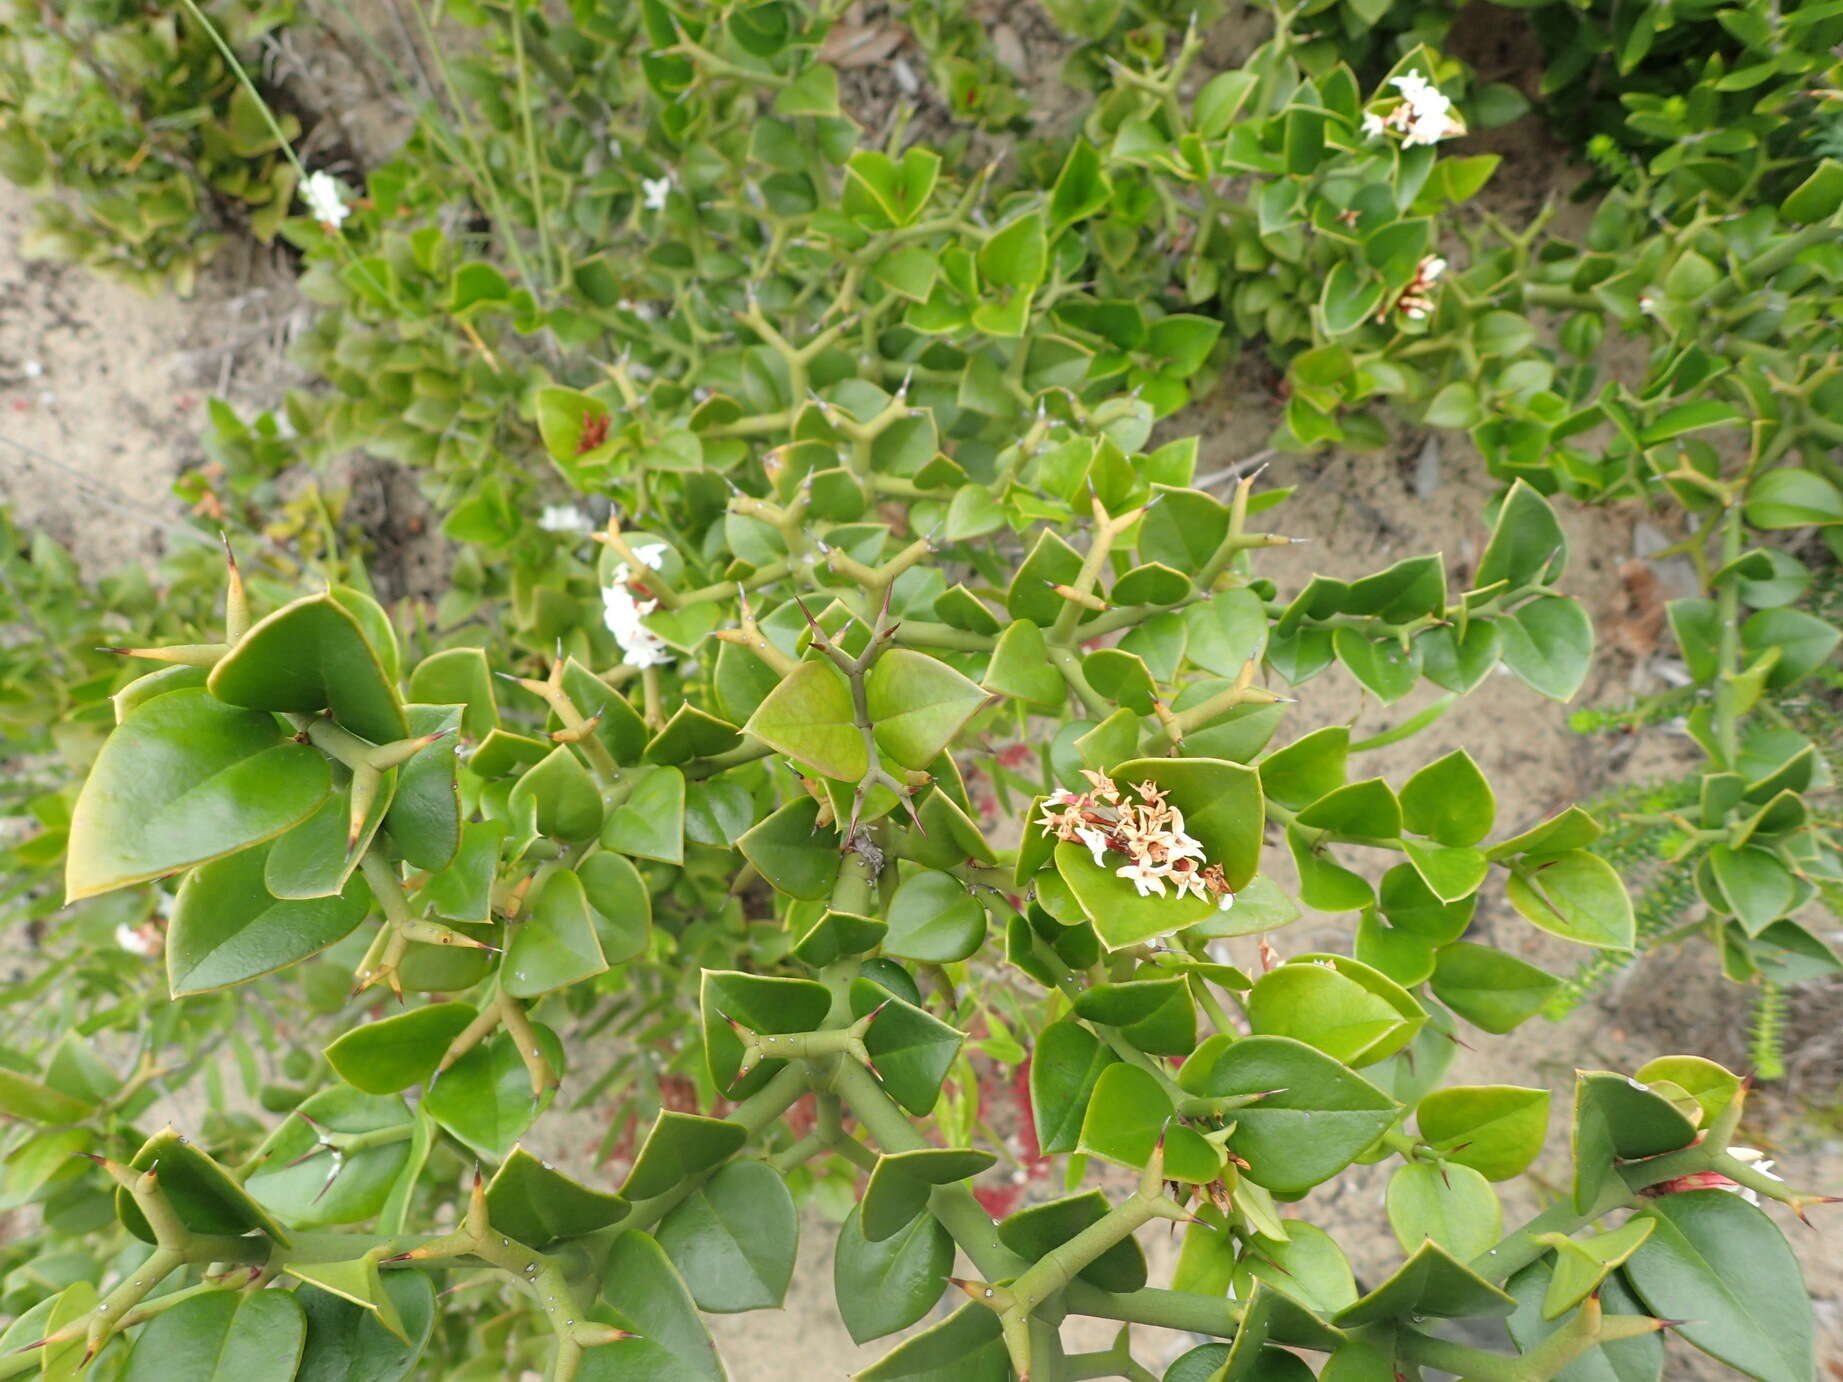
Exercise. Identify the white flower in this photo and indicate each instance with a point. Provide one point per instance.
(1096, 840)
(143, 941)
(1372, 124)
(1226, 901)
(623, 614)
(1184, 873)
(563, 518)
(654, 192)
(1412, 85)
(1431, 268)
(640, 646)
(1430, 114)
(1147, 878)
(326, 203)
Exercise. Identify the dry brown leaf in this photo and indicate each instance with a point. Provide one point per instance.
(849, 45)
(1638, 625)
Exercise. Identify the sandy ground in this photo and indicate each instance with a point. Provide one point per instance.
(101, 396)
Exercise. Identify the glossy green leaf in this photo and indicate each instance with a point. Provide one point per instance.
(1366, 809)
(1020, 667)
(1489, 988)
(485, 1097)
(554, 943)
(650, 824)
(1637, 1359)
(1156, 1015)
(792, 851)
(309, 656)
(1497, 1130)
(315, 859)
(1449, 801)
(463, 891)
(1317, 1116)
(964, 1347)
(1431, 1282)
(1307, 1266)
(1548, 644)
(933, 918)
(1527, 546)
(1384, 668)
(567, 802)
(538, 1205)
(678, 1146)
(186, 779)
(762, 1003)
(917, 704)
(809, 717)
(306, 1185)
(1315, 1004)
(358, 1280)
(25, 1098)
(1582, 1264)
(222, 1336)
(1575, 895)
(1067, 1063)
(643, 1294)
(1451, 1205)
(227, 928)
(912, 1048)
(1793, 498)
(1615, 1119)
(424, 819)
(901, 1182)
(1129, 1113)
(206, 1197)
(1307, 769)
(459, 676)
(1721, 1266)
(733, 1239)
(886, 1286)
(346, 1342)
(1712, 1086)
(400, 1050)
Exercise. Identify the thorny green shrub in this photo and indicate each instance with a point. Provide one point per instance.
(134, 113)
(1730, 433)
(1698, 92)
(803, 792)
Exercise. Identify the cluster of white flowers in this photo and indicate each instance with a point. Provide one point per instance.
(1149, 832)
(640, 646)
(564, 518)
(653, 192)
(1423, 115)
(1416, 300)
(326, 203)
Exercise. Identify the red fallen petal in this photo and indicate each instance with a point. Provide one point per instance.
(1695, 1180)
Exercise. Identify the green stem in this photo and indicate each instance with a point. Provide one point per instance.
(754, 1113)
(1188, 1311)
(960, 1214)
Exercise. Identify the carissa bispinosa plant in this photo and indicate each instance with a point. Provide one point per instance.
(527, 863)
(906, 702)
